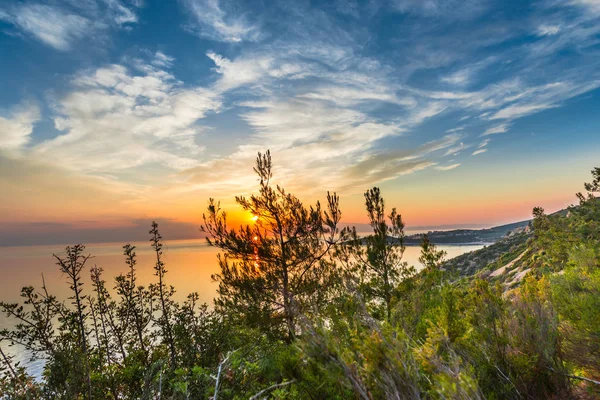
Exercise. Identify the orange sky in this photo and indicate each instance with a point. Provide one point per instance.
(55, 202)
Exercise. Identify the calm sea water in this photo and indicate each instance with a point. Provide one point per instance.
(190, 264)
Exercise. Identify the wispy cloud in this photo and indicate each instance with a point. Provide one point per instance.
(456, 150)
(161, 60)
(213, 22)
(250, 70)
(520, 110)
(114, 120)
(447, 167)
(50, 25)
(61, 26)
(119, 13)
(590, 5)
(483, 143)
(16, 126)
(548, 30)
(479, 151)
(454, 9)
(458, 78)
(496, 130)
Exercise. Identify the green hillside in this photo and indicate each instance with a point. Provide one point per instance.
(471, 236)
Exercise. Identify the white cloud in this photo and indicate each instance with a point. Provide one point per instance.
(115, 120)
(305, 121)
(323, 129)
(315, 145)
(455, 150)
(479, 151)
(519, 110)
(526, 100)
(322, 147)
(451, 9)
(458, 78)
(119, 13)
(17, 125)
(590, 5)
(241, 71)
(161, 60)
(50, 25)
(261, 70)
(349, 96)
(61, 27)
(548, 30)
(513, 98)
(216, 24)
(483, 144)
(495, 130)
(447, 167)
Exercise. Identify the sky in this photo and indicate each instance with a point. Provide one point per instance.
(463, 112)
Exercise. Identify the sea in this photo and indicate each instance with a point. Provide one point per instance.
(190, 265)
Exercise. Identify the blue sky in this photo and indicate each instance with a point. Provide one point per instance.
(134, 103)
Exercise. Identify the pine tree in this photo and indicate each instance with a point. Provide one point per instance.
(277, 267)
(376, 260)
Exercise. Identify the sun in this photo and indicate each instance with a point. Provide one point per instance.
(254, 218)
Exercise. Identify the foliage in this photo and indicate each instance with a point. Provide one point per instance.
(375, 261)
(308, 311)
(272, 270)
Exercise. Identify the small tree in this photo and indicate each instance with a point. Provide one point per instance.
(376, 260)
(588, 213)
(135, 307)
(277, 267)
(112, 328)
(164, 294)
(592, 187)
(431, 258)
(72, 265)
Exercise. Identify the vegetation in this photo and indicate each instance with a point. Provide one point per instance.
(490, 257)
(306, 310)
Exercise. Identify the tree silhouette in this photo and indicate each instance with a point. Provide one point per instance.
(277, 267)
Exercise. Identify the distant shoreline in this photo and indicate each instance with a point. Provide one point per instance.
(415, 244)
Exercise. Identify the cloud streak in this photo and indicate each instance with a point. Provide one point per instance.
(212, 22)
(62, 26)
(447, 167)
(50, 25)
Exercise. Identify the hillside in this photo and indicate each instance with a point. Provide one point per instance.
(474, 236)
(505, 259)
(467, 236)
(490, 257)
